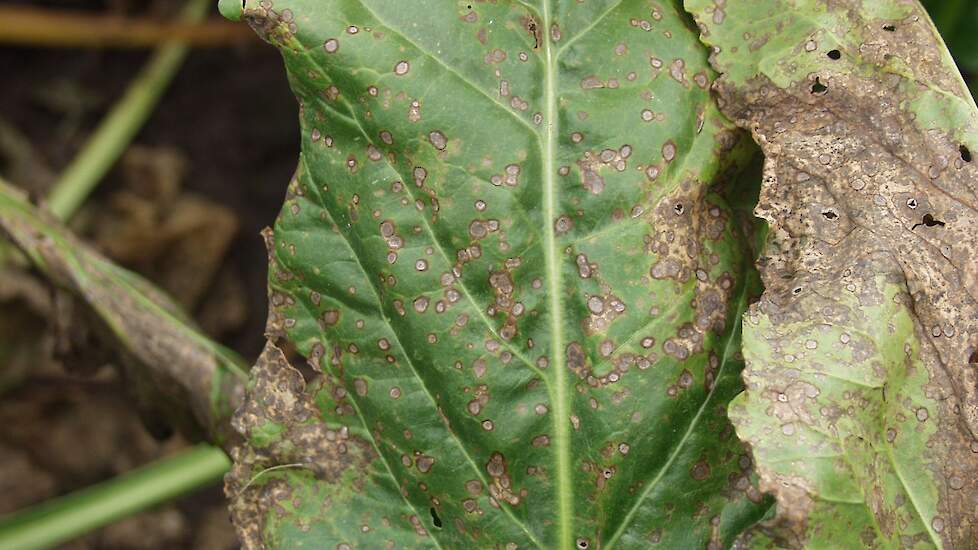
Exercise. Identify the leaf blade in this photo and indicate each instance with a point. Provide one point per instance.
(860, 401)
(501, 263)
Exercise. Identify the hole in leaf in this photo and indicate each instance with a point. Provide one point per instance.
(929, 221)
(434, 517)
(965, 153)
(829, 214)
(834, 54)
(889, 28)
(583, 544)
(531, 27)
(818, 87)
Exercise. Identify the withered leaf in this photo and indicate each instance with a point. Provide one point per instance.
(861, 405)
(167, 359)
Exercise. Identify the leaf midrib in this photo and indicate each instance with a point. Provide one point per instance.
(559, 397)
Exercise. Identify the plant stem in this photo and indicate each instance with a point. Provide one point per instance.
(69, 29)
(61, 519)
(119, 127)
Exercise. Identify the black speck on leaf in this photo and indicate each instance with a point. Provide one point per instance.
(434, 517)
(929, 221)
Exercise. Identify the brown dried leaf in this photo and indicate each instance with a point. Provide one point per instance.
(862, 399)
(160, 348)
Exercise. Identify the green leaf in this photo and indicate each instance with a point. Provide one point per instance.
(861, 403)
(167, 360)
(505, 255)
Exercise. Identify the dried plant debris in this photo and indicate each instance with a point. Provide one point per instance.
(166, 359)
(861, 405)
(24, 344)
(153, 225)
(504, 252)
(180, 239)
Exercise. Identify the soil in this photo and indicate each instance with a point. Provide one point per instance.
(224, 139)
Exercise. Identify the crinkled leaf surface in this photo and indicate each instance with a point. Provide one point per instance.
(504, 252)
(860, 405)
(197, 382)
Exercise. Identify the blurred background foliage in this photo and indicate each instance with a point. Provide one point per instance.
(957, 21)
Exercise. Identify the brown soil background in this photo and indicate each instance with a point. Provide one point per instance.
(224, 138)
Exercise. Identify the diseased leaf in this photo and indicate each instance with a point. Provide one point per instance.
(861, 380)
(166, 357)
(505, 254)
(955, 21)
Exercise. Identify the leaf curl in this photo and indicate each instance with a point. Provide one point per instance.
(861, 405)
